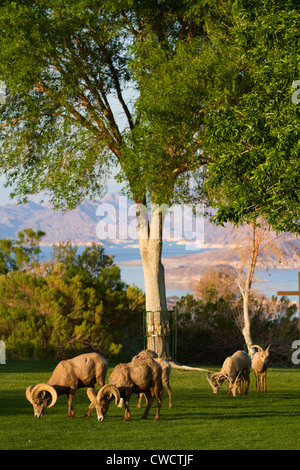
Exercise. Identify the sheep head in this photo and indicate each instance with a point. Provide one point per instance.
(39, 396)
(234, 384)
(103, 398)
(215, 380)
(264, 354)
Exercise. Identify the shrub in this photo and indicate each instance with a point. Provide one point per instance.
(69, 305)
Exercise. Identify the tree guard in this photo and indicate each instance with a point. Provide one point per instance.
(160, 332)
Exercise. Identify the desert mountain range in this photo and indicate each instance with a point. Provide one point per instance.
(81, 226)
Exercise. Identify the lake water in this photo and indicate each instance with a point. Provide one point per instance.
(268, 282)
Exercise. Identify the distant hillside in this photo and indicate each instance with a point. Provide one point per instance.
(183, 271)
(80, 224)
(80, 227)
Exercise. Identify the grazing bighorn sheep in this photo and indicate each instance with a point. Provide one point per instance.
(139, 376)
(259, 366)
(166, 371)
(68, 376)
(235, 368)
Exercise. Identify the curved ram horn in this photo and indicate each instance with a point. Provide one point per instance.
(212, 378)
(216, 376)
(109, 389)
(239, 377)
(257, 346)
(28, 393)
(227, 377)
(39, 388)
(92, 394)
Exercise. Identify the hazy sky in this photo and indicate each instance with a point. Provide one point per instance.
(130, 96)
(113, 186)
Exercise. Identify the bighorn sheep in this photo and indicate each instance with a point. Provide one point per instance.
(139, 376)
(68, 376)
(235, 368)
(166, 371)
(259, 366)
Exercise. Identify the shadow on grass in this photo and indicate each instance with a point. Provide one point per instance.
(15, 366)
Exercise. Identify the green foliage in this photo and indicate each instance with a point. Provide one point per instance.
(215, 104)
(70, 67)
(21, 253)
(253, 137)
(69, 305)
(60, 62)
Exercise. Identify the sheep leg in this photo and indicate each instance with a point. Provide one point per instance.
(140, 396)
(158, 392)
(92, 396)
(256, 381)
(241, 387)
(127, 414)
(89, 411)
(170, 394)
(247, 383)
(71, 412)
(264, 381)
(149, 401)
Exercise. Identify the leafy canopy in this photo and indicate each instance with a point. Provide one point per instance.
(225, 96)
(254, 141)
(204, 91)
(70, 69)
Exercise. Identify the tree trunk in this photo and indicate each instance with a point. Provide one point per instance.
(246, 330)
(150, 243)
(246, 293)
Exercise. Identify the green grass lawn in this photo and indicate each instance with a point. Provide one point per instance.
(198, 420)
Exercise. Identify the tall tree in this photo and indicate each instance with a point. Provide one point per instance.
(65, 65)
(261, 246)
